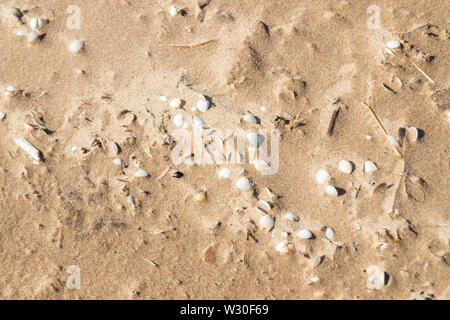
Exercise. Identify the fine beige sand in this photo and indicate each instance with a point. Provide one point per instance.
(300, 59)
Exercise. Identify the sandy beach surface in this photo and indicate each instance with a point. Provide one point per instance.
(77, 223)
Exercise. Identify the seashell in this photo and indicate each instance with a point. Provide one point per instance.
(267, 222)
(345, 166)
(163, 98)
(291, 216)
(203, 105)
(117, 162)
(200, 196)
(304, 234)
(282, 247)
(263, 108)
(369, 166)
(76, 46)
(332, 191)
(243, 183)
(393, 44)
(261, 165)
(322, 176)
(175, 103)
(329, 233)
(224, 173)
(173, 11)
(249, 119)
(178, 120)
(11, 90)
(141, 173)
(394, 141)
(2, 115)
(28, 148)
(265, 204)
(316, 261)
(32, 36)
(413, 134)
(197, 122)
(252, 138)
(34, 23)
(376, 279)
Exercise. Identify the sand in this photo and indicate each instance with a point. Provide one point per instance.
(297, 58)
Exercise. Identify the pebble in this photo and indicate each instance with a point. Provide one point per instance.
(32, 36)
(141, 173)
(369, 166)
(267, 222)
(332, 191)
(203, 105)
(224, 173)
(322, 176)
(291, 216)
(329, 233)
(178, 120)
(36, 23)
(76, 46)
(2, 115)
(304, 234)
(243, 183)
(117, 162)
(345, 166)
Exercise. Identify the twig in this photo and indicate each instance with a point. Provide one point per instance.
(333, 121)
(188, 46)
(420, 70)
(151, 262)
(382, 127)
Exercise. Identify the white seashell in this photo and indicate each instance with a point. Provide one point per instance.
(376, 279)
(2, 115)
(163, 98)
(413, 134)
(76, 46)
(199, 197)
(267, 222)
(304, 234)
(331, 191)
(369, 166)
(261, 165)
(34, 23)
(263, 108)
(28, 148)
(345, 166)
(141, 173)
(20, 33)
(282, 247)
(329, 233)
(224, 173)
(368, 137)
(249, 118)
(291, 216)
(243, 183)
(203, 105)
(322, 176)
(198, 122)
(388, 51)
(117, 162)
(394, 141)
(393, 44)
(11, 90)
(252, 138)
(32, 36)
(175, 103)
(178, 120)
(173, 11)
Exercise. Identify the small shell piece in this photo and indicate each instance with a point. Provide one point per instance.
(11, 90)
(141, 173)
(376, 279)
(249, 119)
(178, 120)
(224, 173)
(200, 197)
(345, 166)
(369, 166)
(243, 183)
(197, 122)
(175, 103)
(329, 233)
(252, 138)
(117, 162)
(413, 134)
(261, 165)
(2, 115)
(322, 176)
(36, 23)
(32, 36)
(173, 11)
(332, 191)
(76, 46)
(393, 44)
(28, 148)
(394, 141)
(203, 105)
(267, 222)
(163, 98)
(291, 216)
(304, 234)
(282, 247)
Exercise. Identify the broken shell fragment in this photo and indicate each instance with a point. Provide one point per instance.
(203, 105)
(394, 141)
(224, 173)
(376, 279)
(76, 46)
(32, 36)
(261, 165)
(369, 166)
(28, 148)
(332, 191)
(117, 162)
(282, 247)
(197, 122)
(329, 233)
(267, 222)
(249, 119)
(345, 166)
(175, 103)
(304, 234)
(291, 216)
(393, 44)
(322, 176)
(178, 120)
(141, 173)
(243, 183)
(199, 197)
